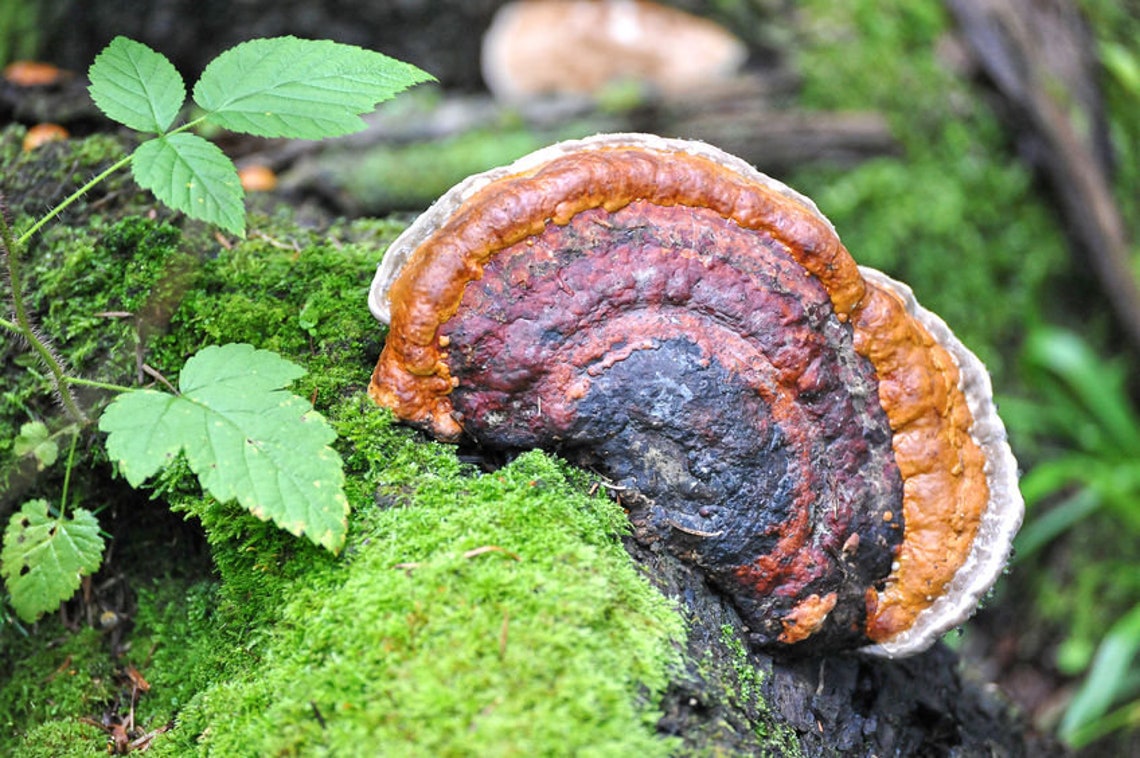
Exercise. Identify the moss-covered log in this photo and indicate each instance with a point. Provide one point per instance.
(472, 612)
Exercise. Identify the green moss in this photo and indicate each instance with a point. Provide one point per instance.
(546, 641)
(55, 677)
(414, 175)
(747, 677)
(777, 737)
(472, 614)
(96, 291)
(35, 181)
(44, 681)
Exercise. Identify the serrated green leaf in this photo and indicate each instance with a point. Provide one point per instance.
(136, 86)
(45, 558)
(245, 437)
(298, 88)
(192, 175)
(35, 439)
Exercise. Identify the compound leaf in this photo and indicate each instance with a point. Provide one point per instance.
(299, 88)
(245, 437)
(45, 558)
(192, 175)
(136, 86)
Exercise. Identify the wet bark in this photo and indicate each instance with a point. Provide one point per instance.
(742, 701)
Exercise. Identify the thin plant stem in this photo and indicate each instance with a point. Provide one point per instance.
(67, 473)
(98, 385)
(72, 198)
(24, 325)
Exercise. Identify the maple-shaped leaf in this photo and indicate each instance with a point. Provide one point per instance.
(245, 437)
(45, 557)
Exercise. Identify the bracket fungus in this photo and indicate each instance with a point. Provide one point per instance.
(798, 427)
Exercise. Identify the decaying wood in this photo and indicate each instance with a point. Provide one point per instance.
(734, 701)
(746, 117)
(1040, 57)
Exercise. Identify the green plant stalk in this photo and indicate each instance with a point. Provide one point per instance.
(101, 176)
(61, 377)
(67, 474)
(39, 343)
(71, 199)
(99, 385)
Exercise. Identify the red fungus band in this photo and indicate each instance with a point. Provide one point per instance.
(659, 310)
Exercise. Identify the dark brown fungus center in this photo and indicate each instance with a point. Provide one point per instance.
(692, 362)
(823, 449)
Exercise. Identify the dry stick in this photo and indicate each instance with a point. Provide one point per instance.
(1081, 184)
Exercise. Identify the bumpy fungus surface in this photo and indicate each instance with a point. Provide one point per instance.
(822, 447)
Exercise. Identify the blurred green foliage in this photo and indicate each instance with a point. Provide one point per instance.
(1079, 541)
(960, 219)
(1116, 26)
(956, 217)
(19, 20)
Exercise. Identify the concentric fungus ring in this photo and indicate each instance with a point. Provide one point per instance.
(798, 427)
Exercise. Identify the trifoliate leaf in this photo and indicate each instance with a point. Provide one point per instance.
(245, 437)
(299, 88)
(35, 439)
(192, 175)
(136, 86)
(45, 558)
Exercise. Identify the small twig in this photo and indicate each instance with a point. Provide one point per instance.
(143, 742)
(155, 374)
(317, 714)
(490, 549)
(274, 242)
(690, 530)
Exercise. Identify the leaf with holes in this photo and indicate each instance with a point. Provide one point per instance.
(245, 437)
(45, 557)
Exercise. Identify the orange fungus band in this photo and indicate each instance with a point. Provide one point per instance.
(945, 491)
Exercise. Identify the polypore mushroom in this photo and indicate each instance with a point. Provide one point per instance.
(798, 427)
(547, 47)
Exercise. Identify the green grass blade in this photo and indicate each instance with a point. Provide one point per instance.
(1043, 528)
(1096, 388)
(1114, 659)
